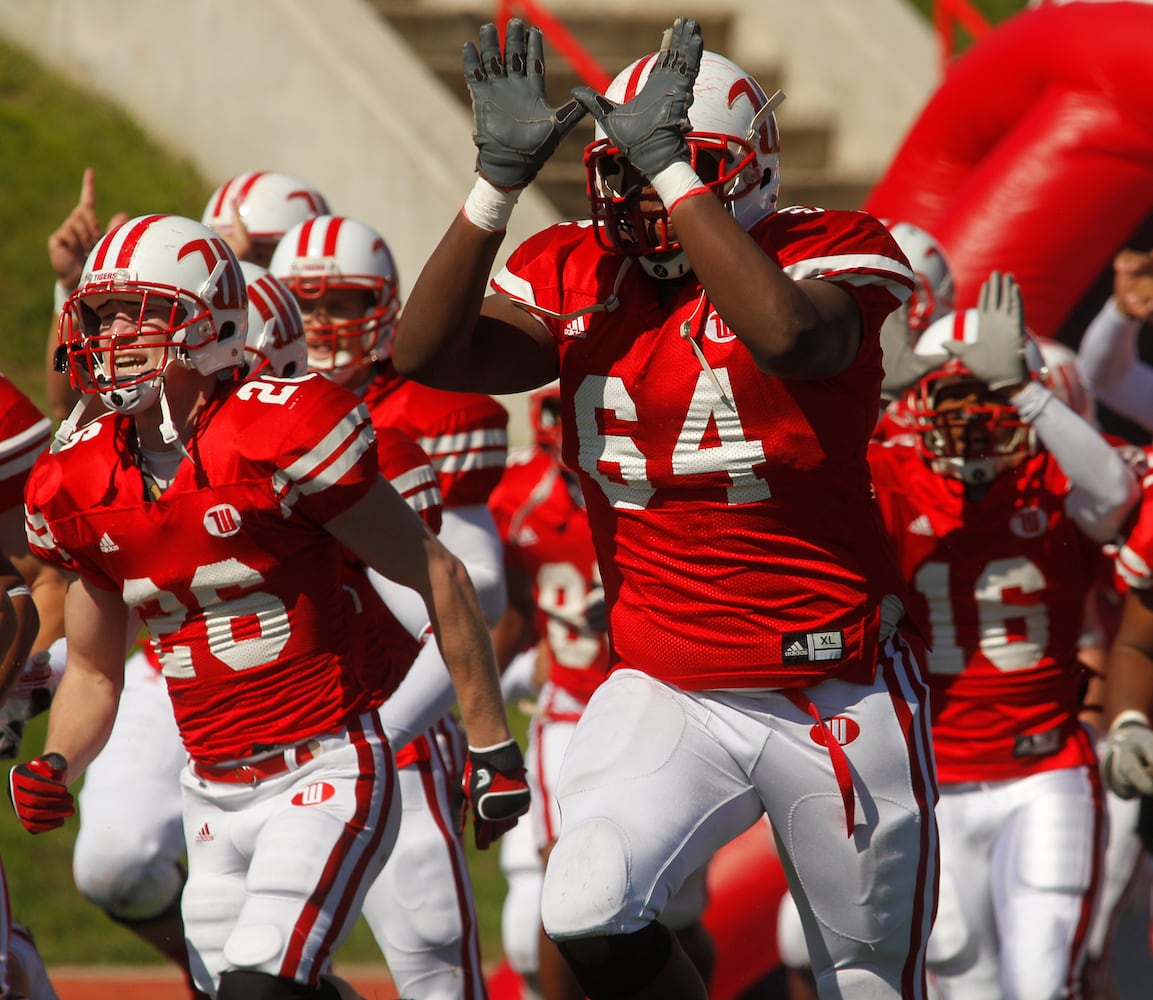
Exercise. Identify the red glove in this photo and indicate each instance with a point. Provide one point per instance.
(494, 785)
(38, 793)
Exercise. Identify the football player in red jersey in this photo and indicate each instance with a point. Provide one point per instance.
(998, 510)
(221, 512)
(720, 368)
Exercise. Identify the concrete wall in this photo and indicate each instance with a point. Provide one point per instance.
(322, 89)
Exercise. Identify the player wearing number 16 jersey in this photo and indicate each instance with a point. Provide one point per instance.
(998, 509)
(719, 366)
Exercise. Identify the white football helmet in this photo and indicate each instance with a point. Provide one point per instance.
(932, 295)
(270, 204)
(978, 442)
(329, 253)
(735, 148)
(1062, 377)
(159, 261)
(275, 341)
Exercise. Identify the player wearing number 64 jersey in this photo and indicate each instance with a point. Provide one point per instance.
(719, 366)
(999, 508)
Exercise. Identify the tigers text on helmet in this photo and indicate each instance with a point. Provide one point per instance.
(335, 254)
(275, 341)
(735, 149)
(269, 203)
(932, 295)
(157, 289)
(977, 439)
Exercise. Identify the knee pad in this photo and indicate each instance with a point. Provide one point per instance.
(617, 966)
(156, 900)
(242, 985)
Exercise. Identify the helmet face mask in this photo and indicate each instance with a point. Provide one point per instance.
(734, 147)
(630, 218)
(156, 290)
(964, 432)
(343, 278)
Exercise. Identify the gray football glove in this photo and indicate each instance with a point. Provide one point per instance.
(998, 357)
(516, 130)
(1127, 763)
(650, 129)
(904, 367)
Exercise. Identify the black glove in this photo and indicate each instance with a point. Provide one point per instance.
(516, 130)
(998, 356)
(495, 787)
(650, 129)
(39, 796)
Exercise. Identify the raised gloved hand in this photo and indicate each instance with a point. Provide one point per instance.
(39, 795)
(494, 786)
(998, 356)
(650, 129)
(904, 367)
(1127, 763)
(516, 129)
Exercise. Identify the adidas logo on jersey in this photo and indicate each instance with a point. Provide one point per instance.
(204, 835)
(796, 649)
(920, 525)
(107, 545)
(812, 647)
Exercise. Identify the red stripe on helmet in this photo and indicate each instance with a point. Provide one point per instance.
(331, 234)
(127, 246)
(305, 236)
(633, 83)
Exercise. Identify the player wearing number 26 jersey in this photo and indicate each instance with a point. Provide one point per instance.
(238, 586)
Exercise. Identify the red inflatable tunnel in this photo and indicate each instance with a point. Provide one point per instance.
(1035, 155)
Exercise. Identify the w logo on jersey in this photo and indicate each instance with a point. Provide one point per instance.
(716, 331)
(222, 520)
(1029, 522)
(842, 729)
(314, 794)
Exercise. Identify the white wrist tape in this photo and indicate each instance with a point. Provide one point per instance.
(488, 207)
(60, 295)
(1129, 715)
(676, 181)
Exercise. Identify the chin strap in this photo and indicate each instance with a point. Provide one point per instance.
(68, 425)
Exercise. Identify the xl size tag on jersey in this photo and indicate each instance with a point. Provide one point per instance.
(812, 647)
(1037, 744)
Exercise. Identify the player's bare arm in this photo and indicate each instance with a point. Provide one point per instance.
(453, 337)
(793, 329)
(1129, 677)
(410, 554)
(84, 707)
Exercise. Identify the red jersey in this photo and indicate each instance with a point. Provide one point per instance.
(732, 512)
(230, 569)
(1003, 583)
(542, 521)
(464, 434)
(24, 434)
